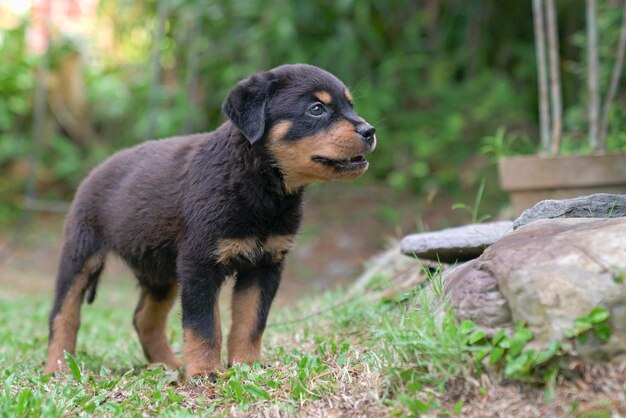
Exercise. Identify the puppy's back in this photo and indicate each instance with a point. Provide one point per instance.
(137, 190)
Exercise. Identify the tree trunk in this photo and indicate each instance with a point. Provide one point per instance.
(542, 72)
(593, 78)
(616, 74)
(555, 79)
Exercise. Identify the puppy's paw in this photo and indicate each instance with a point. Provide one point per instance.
(204, 375)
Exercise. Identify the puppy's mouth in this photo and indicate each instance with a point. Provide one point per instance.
(354, 163)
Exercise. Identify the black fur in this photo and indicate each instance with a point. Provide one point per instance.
(164, 206)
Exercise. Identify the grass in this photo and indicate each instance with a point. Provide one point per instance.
(332, 354)
(327, 353)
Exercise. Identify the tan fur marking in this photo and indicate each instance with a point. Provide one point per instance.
(150, 320)
(202, 357)
(323, 96)
(278, 245)
(229, 248)
(244, 346)
(66, 323)
(294, 158)
(279, 130)
(348, 95)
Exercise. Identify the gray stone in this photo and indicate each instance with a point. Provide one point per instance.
(403, 272)
(474, 294)
(601, 205)
(551, 272)
(455, 244)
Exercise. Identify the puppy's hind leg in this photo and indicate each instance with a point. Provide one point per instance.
(150, 319)
(82, 261)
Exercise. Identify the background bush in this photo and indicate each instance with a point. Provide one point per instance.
(434, 76)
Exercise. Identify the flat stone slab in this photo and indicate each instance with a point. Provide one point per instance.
(600, 205)
(455, 244)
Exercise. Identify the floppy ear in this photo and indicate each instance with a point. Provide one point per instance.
(245, 105)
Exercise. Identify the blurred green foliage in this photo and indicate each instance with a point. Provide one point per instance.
(436, 77)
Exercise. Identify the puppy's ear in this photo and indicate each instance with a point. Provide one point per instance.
(245, 105)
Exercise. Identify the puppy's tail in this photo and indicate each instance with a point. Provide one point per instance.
(92, 284)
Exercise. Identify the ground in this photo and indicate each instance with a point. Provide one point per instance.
(328, 352)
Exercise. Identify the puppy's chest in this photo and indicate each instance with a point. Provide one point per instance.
(258, 234)
(250, 251)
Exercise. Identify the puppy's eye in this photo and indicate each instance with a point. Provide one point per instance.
(316, 110)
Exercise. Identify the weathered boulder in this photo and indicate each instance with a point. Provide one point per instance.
(601, 205)
(454, 244)
(551, 272)
(475, 295)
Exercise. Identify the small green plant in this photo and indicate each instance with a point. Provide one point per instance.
(511, 351)
(618, 274)
(473, 210)
(520, 361)
(596, 322)
(502, 144)
(434, 277)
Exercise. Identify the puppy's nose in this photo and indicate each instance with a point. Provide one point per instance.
(367, 132)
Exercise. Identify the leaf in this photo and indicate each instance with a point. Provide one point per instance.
(516, 365)
(582, 324)
(461, 206)
(482, 352)
(237, 388)
(23, 401)
(498, 336)
(583, 338)
(414, 387)
(603, 331)
(549, 379)
(174, 397)
(476, 336)
(516, 347)
(73, 366)
(467, 326)
(546, 354)
(257, 392)
(496, 355)
(458, 407)
(522, 333)
(504, 342)
(598, 314)
(415, 405)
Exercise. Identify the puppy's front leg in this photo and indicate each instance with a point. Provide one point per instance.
(252, 297)
(202, 331)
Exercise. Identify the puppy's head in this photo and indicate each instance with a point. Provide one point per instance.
(305, 118)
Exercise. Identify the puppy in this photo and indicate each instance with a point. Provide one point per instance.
(188, 211)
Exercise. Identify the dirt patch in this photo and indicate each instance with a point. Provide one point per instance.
(595, 391)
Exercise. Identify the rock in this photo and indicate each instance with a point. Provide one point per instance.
(390, 270)
(474, 294)
(601, 205)
(551, 272)
(455, 244)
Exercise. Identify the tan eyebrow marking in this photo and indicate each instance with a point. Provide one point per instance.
(323, 96)
(348, 94)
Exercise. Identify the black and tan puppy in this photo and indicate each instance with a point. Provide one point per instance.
(188, 211)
